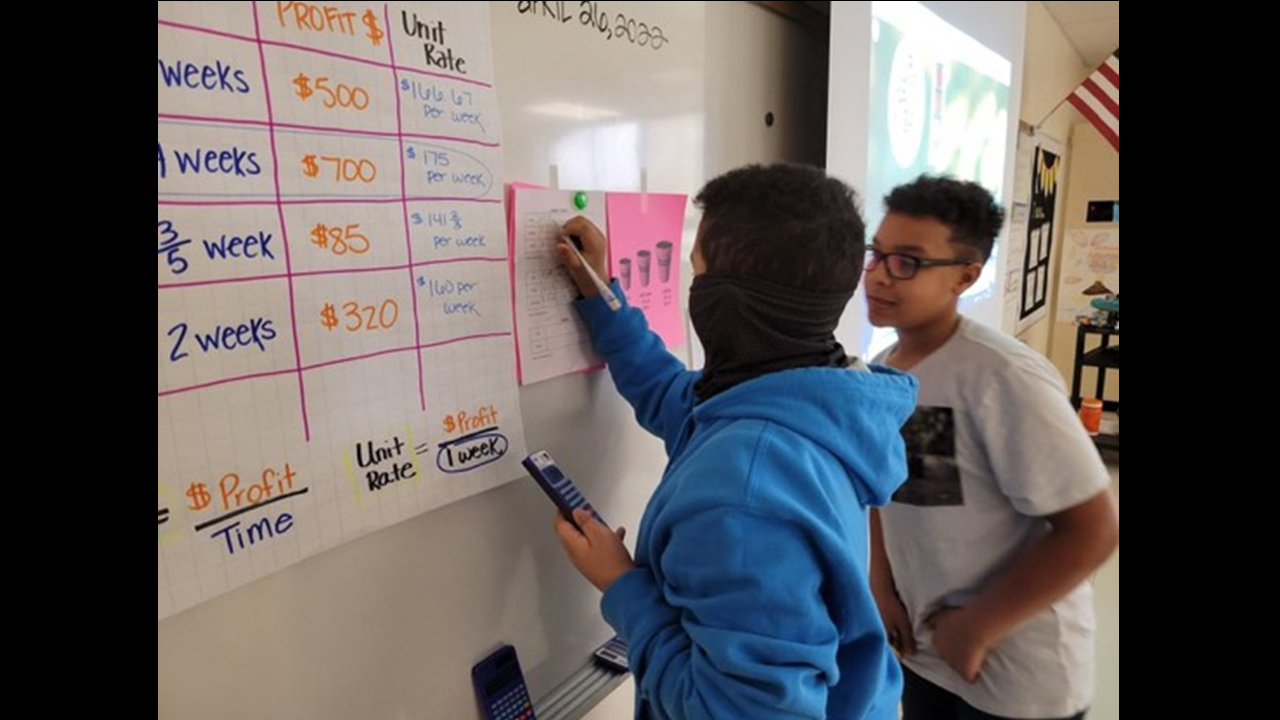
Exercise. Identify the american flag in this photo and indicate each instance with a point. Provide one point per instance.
(1098, 98)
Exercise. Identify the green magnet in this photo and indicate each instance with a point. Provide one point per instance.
(580, 200)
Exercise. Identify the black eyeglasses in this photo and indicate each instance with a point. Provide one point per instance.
(904, 267)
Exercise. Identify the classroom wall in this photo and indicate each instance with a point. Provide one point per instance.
(744, 84)
(1053, 68)
(1093, 167)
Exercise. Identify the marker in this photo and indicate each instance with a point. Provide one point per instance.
(610, 299)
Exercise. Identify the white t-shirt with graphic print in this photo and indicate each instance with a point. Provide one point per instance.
(993, 448)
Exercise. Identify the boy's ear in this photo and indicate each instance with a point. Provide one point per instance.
(969, 275)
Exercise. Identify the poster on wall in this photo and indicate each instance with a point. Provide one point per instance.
(334, 334)
(1016, 239)
(1090, 268)
(1044, 199)
(1031, 225)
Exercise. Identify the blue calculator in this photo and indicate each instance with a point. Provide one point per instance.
(613, 655)
(500, 686)
(566, 496)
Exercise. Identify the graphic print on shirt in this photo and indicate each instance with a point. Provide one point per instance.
(933, 478)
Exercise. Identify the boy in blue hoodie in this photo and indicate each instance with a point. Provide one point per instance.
(748, 596)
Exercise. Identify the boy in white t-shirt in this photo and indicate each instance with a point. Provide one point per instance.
(980, 566)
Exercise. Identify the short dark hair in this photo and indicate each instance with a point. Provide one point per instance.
(791, 225)
(974, 216)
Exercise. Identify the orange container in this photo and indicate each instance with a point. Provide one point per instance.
(1091, 414)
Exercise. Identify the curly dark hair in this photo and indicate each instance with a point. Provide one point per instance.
(974, 216)
(791, 225)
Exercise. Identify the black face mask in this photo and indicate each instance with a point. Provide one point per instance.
(751, 327)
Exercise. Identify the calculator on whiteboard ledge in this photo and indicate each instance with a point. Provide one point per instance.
(500, 686)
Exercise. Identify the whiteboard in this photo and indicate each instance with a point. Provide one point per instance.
(335, 318)
(388, 625)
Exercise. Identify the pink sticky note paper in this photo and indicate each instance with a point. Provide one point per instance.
(644, 254)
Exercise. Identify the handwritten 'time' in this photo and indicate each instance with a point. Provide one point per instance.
(235, 497)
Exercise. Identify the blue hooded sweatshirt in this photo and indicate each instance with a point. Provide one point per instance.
(750, 597)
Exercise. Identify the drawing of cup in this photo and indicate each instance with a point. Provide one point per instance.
(624, 269)
(642, 259)
(664, 261)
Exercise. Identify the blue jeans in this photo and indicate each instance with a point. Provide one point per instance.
(922, 700)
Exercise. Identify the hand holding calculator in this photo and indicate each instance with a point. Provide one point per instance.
(557, 486)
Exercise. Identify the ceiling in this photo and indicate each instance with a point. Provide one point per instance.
(1093, 28)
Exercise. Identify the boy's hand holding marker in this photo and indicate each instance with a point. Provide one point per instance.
(584, 251)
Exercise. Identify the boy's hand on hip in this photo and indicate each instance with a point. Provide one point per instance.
(959, 641)
(897, 624)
